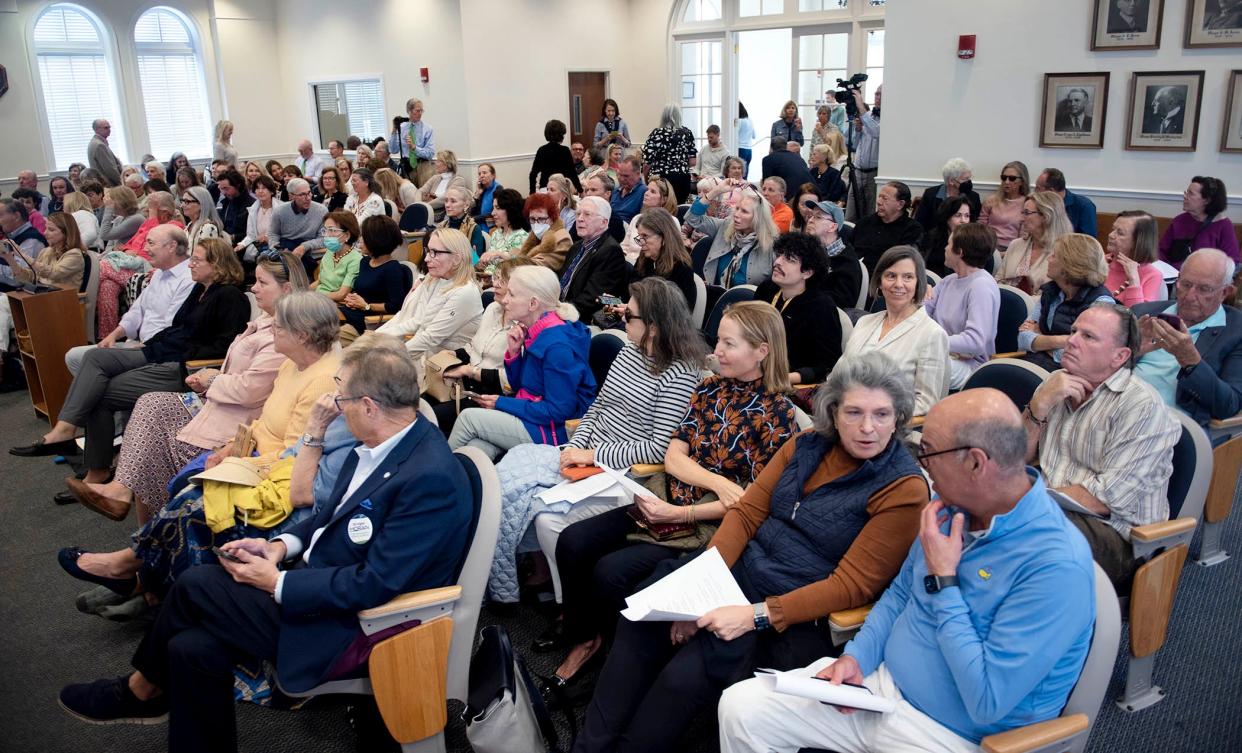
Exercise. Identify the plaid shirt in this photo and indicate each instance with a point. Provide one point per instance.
(1118, 445)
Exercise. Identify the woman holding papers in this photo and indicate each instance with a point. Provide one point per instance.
(737, 421)
(843, 499)
(631, 421)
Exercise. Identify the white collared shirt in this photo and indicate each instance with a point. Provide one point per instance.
(369, 459)
(158, 303)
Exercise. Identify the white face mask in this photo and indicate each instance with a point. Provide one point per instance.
(539, 228)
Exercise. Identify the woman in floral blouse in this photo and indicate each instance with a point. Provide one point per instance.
(736, 423)
(670, 151)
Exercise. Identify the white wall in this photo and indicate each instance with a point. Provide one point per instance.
(987, 110)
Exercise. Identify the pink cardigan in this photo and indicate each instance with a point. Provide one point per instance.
(1150, 281)
(237, 394)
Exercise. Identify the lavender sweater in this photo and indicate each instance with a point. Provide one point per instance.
(966, 307)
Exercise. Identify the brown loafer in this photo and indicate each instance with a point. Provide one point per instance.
(110, 508)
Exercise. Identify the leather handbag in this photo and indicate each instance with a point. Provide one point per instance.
(504, 711)
(433, 374)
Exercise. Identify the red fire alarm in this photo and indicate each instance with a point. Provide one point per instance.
(966, 46)
(425, 74)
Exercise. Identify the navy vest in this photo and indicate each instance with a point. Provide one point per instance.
(805, 536)
(1068, 311)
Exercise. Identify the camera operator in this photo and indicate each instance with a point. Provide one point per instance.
(413, 143)
(864, 139)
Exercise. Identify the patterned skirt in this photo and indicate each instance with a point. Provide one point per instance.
(151, 454)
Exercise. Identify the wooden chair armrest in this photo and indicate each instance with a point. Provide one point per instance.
(642, 470)
(1155, 531)
(425, 606)
(572, 425)
(849, 619)
(1009, 354)
(1226, 423)
(1036, 736)
(206, 363)
(917, 421)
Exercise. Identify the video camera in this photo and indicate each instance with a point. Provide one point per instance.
(845, 92)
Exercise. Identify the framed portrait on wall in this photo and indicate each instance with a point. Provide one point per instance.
(1213, 23)
(1231, 132)
(1127, 24)
(1074, 108)
(1164, 111)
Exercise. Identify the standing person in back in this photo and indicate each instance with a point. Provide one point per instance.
(100, 155)
(552, 158)
(611, 129)
(786, 165)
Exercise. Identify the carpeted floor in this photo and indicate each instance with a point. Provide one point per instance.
(47, 643)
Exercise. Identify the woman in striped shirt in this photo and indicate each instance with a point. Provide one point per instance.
(642, 401)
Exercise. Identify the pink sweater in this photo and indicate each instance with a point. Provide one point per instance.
(1005, 217)
(1150, 278)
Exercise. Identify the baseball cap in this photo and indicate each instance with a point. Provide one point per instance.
(832, 210)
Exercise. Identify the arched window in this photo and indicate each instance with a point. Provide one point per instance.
(76, 80)
(174, 95)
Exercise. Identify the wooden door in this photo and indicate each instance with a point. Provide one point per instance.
(587, 92)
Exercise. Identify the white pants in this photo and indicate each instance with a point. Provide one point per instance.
(548, 527)
(491, 431)
(6, 323)
(753, 717)
(959, 371)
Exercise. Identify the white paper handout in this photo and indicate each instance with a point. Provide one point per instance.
(1167, 271)
(687, 593)
(850, 696)
(601, 484)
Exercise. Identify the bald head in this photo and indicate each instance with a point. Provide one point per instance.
(980, 418)
(28, 179)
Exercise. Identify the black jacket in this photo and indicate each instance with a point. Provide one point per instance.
(234, 213)
(828, 185)
(844, 281)
(930, 205)
(201, 328)
(812, 330)
(790, 167)
(604, 270)
(872, 237)
(550, 159)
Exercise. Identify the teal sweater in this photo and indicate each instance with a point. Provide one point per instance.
(1005, 648)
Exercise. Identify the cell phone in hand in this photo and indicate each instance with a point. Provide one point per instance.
(610, 300)
(472, 395)
(226, 555)
(1173, 320)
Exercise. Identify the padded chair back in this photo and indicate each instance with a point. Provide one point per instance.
(992, 262)
(802, 419)
(90, 286)
(475, 569)
(1192, 469)
(1088, 693)
(390, 208)
(933, 279)
(733, 295)
(255, 311)
(488, 297)
(1014, 309)
(865, 287)
(700, 302)
(412, 274)
(425, 410)
(681, 212)
(698, 257)
(605, 346)
(1017, 379)
(415, 218)
(847, 327)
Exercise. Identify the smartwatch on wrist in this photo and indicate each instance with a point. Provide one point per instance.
(934, 584)
(761, 617)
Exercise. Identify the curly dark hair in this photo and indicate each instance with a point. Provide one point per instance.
(808, 252)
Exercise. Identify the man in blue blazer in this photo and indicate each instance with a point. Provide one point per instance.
(398, 521)
(1198, 366)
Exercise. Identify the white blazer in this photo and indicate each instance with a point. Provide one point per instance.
(918, 345)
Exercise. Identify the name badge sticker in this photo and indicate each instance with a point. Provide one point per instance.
(360, 529)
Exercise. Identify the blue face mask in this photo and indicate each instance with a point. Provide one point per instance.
(332, 244)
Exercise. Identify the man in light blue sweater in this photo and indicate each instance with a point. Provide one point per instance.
(985, 628)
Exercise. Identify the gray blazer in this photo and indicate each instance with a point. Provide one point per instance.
(1213, 388)
(101, 158)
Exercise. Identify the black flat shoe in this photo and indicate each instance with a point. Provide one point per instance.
(562, 694)
(551, 639)
(43, 449)
(68, 558)
(64, 497)
(112, 702)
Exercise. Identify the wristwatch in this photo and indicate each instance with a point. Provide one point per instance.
(311, 441)
(761, 617)
(936, 583)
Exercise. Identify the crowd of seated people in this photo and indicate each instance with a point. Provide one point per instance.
(340, 346)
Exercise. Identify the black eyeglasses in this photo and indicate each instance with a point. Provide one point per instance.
(924, 456)
(338, 399)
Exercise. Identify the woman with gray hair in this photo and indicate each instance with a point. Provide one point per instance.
(957, 182)
(825, 527)
(670, 151)
(202, 221)
(183, 533)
